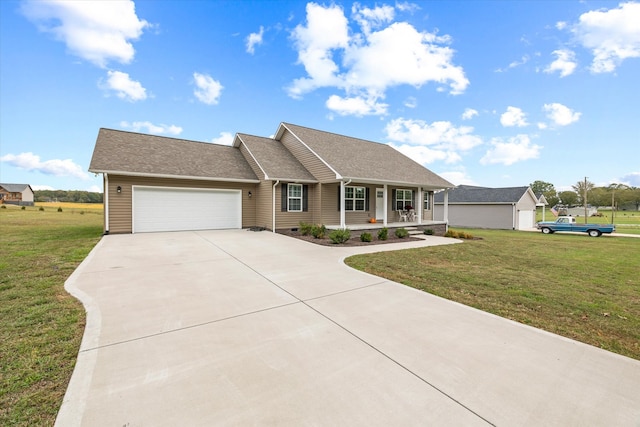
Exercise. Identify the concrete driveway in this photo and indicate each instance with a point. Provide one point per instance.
(244, 328)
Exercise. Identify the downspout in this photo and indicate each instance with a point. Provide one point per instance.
(446, 209)
(106, 203)
(343, 221)
(273, 204)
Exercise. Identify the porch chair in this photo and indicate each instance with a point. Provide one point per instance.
(402, 216)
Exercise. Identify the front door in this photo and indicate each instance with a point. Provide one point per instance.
(380, 203)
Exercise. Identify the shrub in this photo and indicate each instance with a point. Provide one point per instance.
(305, 228)
(401, 233)
(22, 208)
(366, 237)
(81, 212)
(383, 233)
(60, 209)
(428, 232)
(451, 233)
(3, 207)
(318, 231)
(458, 234)
(340, 236)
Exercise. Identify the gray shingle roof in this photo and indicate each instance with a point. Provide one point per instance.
(15, 188)
(276, 161)
(360, 159)
(139, 154)
(471, 194)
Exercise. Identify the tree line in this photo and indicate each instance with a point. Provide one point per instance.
(73, 196)
(620, 196)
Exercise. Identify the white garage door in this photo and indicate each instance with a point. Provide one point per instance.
(525, 220)
(176, 209)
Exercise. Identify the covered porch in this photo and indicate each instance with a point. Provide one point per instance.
(379, 225)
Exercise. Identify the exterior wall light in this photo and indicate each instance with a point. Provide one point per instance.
(249, 194)
(119, 189)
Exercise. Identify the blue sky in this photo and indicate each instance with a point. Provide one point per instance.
(490, 93)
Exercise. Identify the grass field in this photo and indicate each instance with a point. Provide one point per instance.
(583, 288)
(42, 325)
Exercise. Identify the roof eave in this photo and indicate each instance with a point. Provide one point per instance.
(153, 175)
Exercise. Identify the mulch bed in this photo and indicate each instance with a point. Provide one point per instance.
(354, 241)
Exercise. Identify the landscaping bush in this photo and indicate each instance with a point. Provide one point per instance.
(60, 209)
(3, 207)
(318, 231)
(340, 236)
(305, 228)
(428, 232)
(451, 233)
(22, 208)
(366, 237)
(458, 234)
(383, 233)
(401, 233)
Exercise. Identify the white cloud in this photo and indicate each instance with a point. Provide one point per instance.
(561, 25)
(410, 57)
(42, 187)
(632, 179)
(95, 189)
(612, 35)
(469, 113)
(458, 177)
(160, 129)
(565, 62)
(207, 89)
(356, 106)
(254, 39)
(225, 138)
(426, 142)
(561, 115)
(411, 102)
(516, 149)
(98, 31)
(369, 19)
(514, 116)
(125, 88)
(55, 167)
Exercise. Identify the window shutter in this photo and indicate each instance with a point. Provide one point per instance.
(339, 197)
(305, 198)
(413, 199)
(393, 200)
(284, 189)
(366, 199)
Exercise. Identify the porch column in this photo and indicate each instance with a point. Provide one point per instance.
(386, 206)
(421, 204)
(446, 207)
(343, 222)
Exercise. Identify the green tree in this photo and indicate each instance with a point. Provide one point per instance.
(547, 189)
(569, 198)
(600, 196)
(582, 187)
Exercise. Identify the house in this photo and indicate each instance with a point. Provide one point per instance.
(541, 202)
(155, 183)
(16, 194)
(511, 208)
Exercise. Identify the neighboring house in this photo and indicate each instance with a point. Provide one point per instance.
(579, 211)
(16, 194)
(511, 208)
(155, 183)
(542, 202)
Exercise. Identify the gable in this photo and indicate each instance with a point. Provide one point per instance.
(129, 153)
(362, 160)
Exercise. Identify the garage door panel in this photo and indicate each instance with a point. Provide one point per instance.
(175, 209)
(525, 220)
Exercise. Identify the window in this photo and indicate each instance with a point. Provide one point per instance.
(404, 198)
(426, 201)
(354, 198)
(295, 198)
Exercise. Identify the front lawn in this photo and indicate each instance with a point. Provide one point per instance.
(42, 325)
(580, 287)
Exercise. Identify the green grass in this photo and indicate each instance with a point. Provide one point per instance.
(41, 325)
(580, 287)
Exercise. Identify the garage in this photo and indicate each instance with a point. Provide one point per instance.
(182, 209)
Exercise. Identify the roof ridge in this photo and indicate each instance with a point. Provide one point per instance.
(337, 134)
(165, 137)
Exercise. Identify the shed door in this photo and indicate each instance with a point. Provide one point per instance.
(178, 209)
(525, 220)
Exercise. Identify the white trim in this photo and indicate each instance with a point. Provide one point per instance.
(273, 204)
(385, 200)
(295, 198)
(399, 183)
(198, 178)
(338, 176)
(354, 199)
(105, 183)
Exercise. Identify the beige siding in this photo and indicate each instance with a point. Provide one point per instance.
(309, 160)
(120, 204)
(292, 219)
(478, 216)
(264, 209)
(330, 206)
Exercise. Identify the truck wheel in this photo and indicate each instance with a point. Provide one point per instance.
(594, 233)
(546, 230)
